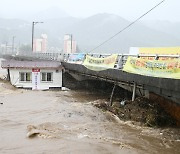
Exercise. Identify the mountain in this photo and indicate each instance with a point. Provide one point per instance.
(92, 31)
(21, 29)
(12, 23)
(167, 27)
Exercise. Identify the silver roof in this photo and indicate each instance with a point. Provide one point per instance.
(30, 64)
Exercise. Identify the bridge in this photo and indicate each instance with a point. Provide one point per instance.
(165, 90)
(165, 87)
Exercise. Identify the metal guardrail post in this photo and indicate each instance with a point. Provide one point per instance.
(112, 93)
(134, 91)
(120, 62)
(156, 57)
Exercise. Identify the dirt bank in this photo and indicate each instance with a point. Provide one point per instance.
(142, 111)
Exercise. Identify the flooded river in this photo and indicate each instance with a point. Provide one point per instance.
(66, 122)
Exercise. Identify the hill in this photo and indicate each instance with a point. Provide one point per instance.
(90, 32)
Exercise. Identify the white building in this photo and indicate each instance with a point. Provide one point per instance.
(40, 44)
(69, 44)
(37, 75)
(133, 50)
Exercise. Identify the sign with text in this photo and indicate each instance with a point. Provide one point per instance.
(100, 64)
(155, 68)
(76, 58)
(35, 78)
(35, 70)
(160, 50)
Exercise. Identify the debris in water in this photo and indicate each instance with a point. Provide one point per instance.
(40, 131)
(80, 136)
(123, 102)
(65, 89)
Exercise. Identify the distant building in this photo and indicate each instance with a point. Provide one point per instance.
(6, 48)
(40, 45)
(37, 75)
(69, 44)
(155, 50)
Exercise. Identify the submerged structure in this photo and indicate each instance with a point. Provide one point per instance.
(36, 75)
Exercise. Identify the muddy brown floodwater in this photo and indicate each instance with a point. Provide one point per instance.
(66, 122)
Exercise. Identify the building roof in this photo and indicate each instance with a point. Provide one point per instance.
(30, 64)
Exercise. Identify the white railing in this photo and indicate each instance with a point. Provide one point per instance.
(64, 57)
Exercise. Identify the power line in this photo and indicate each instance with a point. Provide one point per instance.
(127, 26)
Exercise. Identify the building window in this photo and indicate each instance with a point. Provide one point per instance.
(46, 76)
(25, 76)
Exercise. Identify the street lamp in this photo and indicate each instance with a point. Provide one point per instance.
(71, 43)
(33, 23)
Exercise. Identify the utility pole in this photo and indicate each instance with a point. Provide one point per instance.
(13, 43)
(71, 43)
(6, 47)
(33, 23)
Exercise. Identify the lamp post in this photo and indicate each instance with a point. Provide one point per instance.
(71, 43)
(33, 23)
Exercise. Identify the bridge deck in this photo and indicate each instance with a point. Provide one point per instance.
(169, 88)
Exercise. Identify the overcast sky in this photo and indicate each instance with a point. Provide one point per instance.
(129, 9)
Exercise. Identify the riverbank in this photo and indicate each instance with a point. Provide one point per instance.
(142, 111)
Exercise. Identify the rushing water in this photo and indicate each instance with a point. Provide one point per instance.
(66, 122)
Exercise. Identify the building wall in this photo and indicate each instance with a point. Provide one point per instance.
(69, 44)
(37, 45)
(57, 79)
(69, 47)
(40, 45)
(155, 50)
